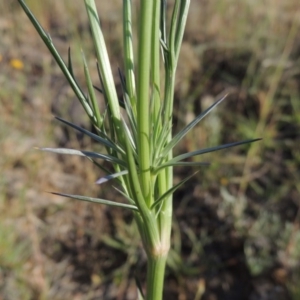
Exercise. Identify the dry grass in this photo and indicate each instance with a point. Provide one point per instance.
(240, 216)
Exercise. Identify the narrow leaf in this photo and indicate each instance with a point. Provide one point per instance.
(97, 200)
(170, 191)
(103, 141)
(124, 195)
(85, 153)
(191, 125)
(207, 150)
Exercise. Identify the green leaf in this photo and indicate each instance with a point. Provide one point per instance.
(170, 191)
(191, 125)
(207, 150)
(104, 141)
(86, 153)
(97, 200)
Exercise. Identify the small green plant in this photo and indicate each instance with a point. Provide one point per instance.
(137, 131)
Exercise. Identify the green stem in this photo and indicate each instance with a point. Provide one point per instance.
(143, 93)
(155, 277)
(104, 65)
(129, 53)
(165, 216)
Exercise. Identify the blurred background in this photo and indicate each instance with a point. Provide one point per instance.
(236, 224)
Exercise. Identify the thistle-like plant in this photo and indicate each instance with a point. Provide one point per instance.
(137, 131)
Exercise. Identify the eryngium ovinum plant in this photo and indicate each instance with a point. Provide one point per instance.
(140, 148)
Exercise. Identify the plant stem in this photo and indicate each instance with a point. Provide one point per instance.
(143, 93)
(155, 277)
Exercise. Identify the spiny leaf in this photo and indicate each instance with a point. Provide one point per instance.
(207, 150)
(104, 141)
(185, 130)
(85, 153)
(97, 200)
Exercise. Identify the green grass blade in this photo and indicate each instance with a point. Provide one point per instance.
(104, 141)
(97, 200)
(207, 150)
(178, 137)
(87, 154)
